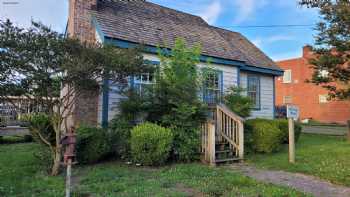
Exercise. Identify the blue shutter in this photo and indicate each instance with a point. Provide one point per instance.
(105, 103)
(221, 81)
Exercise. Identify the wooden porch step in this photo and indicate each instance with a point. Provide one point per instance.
(227, 160)
(223, 151)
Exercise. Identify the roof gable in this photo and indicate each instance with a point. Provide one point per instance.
(154, 25)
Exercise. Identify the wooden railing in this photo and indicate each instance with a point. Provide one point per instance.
(225, 128)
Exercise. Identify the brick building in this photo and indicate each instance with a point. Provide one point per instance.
(312, 100)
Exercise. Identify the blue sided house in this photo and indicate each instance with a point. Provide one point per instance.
(127, 23)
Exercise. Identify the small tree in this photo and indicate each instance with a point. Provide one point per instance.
(174, 101)
(332, 47)
(241, 105)
(38, 62)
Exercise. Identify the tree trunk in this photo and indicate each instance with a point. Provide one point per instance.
(56, 162)
(58, 149)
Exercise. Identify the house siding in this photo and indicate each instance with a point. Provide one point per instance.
(230, 78)
(266, 95)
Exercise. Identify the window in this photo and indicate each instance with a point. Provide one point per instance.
(287, 76)
(253, 90)
(212, 87)
(287, 100)
(323, 98)
(142, 82)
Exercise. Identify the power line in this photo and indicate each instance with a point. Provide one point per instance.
(268, 26)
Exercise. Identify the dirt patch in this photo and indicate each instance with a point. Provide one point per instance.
(188, 191)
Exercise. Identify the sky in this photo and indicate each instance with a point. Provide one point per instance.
(278, 42)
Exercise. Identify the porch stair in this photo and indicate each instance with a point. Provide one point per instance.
(222, 136)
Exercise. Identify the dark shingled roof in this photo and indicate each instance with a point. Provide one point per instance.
(152, 24)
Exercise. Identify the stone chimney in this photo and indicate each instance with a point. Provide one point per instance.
(307, 51)
(79, 20)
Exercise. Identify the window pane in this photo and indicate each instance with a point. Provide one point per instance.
(143, 82)
(212, 92)
(253, 89)
(287, 76)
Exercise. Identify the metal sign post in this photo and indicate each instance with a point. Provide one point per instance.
(292, 114)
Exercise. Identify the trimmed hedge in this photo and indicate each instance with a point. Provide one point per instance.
(150, 144)
(266, 136)
(120, 129)
(93, 144)
(282, 124)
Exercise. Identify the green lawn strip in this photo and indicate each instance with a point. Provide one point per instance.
(323, 156)
(11, 139)
(176, 180)
(21, 176)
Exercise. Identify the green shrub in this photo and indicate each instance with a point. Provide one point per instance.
(241, 105)
(185, 145)
(150, 144)
(27, 138)
(173, 101)
(40, 123)
(263, 136)
(120, 129)
(282, 124)
(93, 144)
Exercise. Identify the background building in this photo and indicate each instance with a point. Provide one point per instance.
(312, 100)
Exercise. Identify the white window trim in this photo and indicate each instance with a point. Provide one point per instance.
(286, 78)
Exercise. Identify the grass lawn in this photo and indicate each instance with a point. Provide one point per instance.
(21, 176)
(327, 157)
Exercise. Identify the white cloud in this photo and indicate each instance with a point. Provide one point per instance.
(53, 13)
(212, 12)
(287, 55)
(260, 42)
(246, 8)
(277, 38)
(257, 42)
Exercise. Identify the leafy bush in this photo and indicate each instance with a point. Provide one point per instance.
(282, 124)
(120, 129)
(263, 136)
(27, 138)
(252, 132)
(41, 130)
(173, 101)
(150, 144)
(185, 145)
(93, 144)
(241, 105)
(40, 126)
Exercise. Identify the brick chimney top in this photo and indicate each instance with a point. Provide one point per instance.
(307, 51)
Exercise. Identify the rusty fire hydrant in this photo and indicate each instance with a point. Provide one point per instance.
(69, 141)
